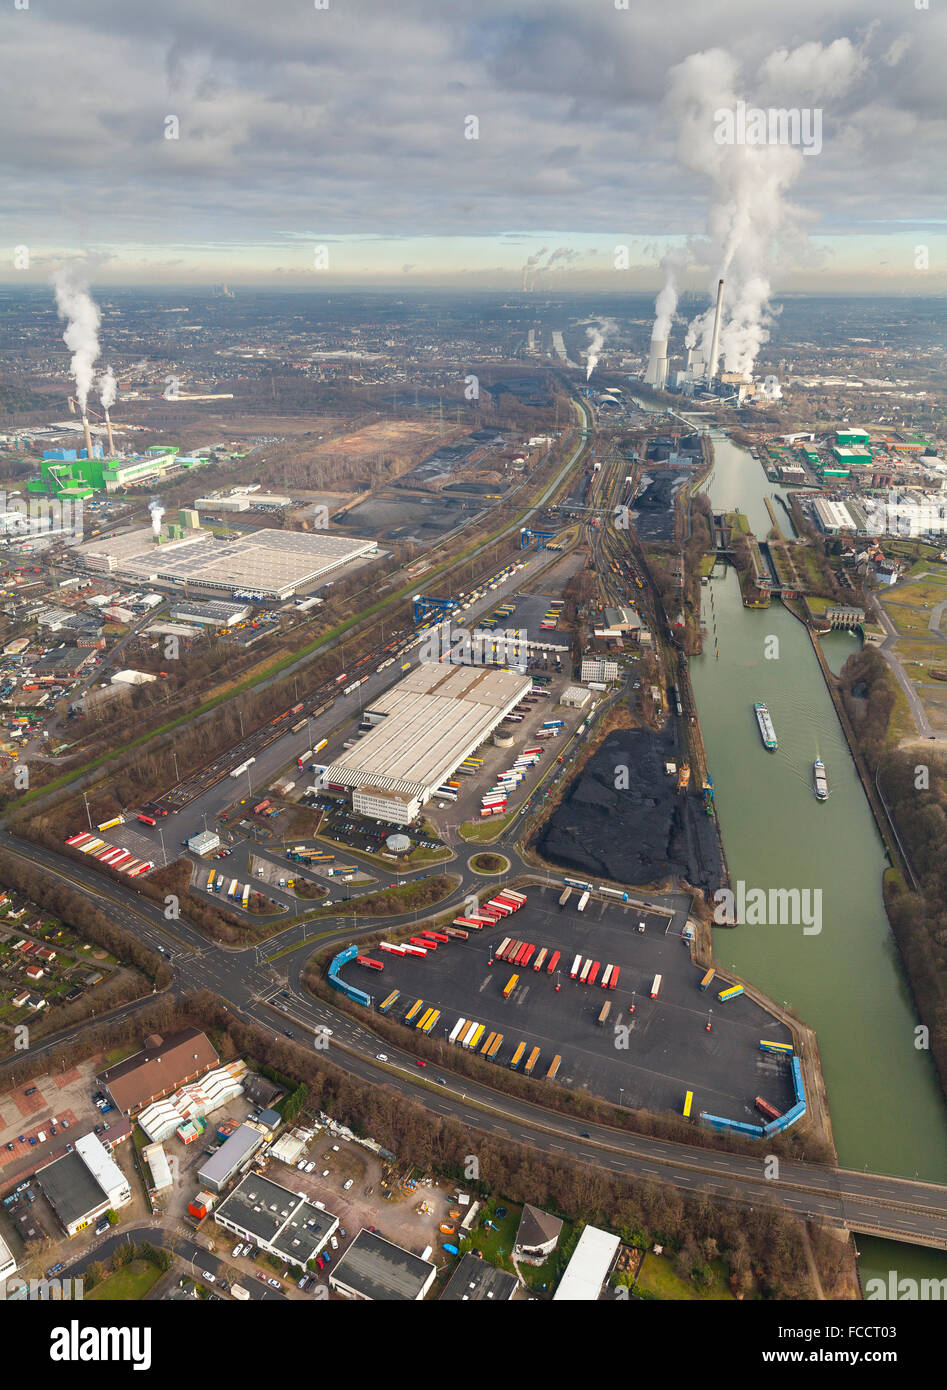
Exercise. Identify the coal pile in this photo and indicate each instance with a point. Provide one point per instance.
(654, 508)
(633, 827)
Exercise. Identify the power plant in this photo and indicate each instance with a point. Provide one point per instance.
(699, 376)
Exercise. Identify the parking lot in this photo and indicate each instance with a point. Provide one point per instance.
(648, 1052)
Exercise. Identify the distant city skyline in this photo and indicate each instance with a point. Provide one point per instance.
(330, 147)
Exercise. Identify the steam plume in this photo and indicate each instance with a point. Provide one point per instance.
(75, 304)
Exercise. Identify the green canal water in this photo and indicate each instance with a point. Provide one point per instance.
(847, 981)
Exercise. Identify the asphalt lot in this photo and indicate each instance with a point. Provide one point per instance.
(666, 1049)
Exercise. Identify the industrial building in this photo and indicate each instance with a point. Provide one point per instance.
(476, 1281)
(83, 1185)
(194, 1101)
(269, 564)
(158, 1166)
(277, 1220)
(832, 517)
(72, 473)
(375, 1270)
(232, 1155)
(162, 1066)
(422, 730)
(212, 613)
(596, 668)
(589, 1267)
(204, 842)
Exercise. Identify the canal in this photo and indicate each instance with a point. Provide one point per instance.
(887, 1111)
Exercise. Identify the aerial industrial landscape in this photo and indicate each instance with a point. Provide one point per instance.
(473, 701)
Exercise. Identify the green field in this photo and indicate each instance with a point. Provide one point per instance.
(658, 1279)
(128, 1285)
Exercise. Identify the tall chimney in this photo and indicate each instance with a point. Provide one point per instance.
(715, 340)
(108, 426)
(88, 436)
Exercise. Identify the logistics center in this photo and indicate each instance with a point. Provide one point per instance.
(421, 731)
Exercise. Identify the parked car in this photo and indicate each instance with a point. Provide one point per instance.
(103, 1226)
(347, 1184)
(309, 1167)
(31, 1090)
(325, 1172)
(274, 1283)
(211, 1278)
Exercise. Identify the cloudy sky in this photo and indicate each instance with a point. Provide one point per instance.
(332, 145)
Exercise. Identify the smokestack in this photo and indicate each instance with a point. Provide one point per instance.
(108, 426)
(715, 340)
(88, 435)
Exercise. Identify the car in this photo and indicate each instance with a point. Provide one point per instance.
(335, 1148)
(224, 1284)
(584, 1134)
(441, 1081)
(69, 1149)
(320, 1262)
(32, 1141)
(10, 1147)
(288, 1033)
(309, 1167)
(63, 1124)
(21, 1139)
(31, 1090)
(54, 1269)
(274, 1283)
(347, 1184)
(237, 1250)
(211, 1278)
(334, 1243)
(325, 1172)
(419, 1062)
(381, 1057)
(301, 1165)
(102, 1226)
(261, 1276)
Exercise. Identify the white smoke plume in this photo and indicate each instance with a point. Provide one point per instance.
(157, 512)
(108, 388)
(596, 335)
(673, 263)
(529, 267)
(752, 227)
(75, 304)
(560, 258)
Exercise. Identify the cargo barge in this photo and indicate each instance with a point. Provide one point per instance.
(767, 732)
(820, 783)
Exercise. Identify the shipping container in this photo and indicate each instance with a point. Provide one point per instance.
(580, 905)
(387, 1003)
(584, 972)
(576, 966)
(533, 1059)
(655, 986)
(510, 985)
(688, 1102)
(613, 982)
(431, 1023)
(785, 1048)
(764, 1107)
(457, 1029)
(733, 992)
(540, 960)
(606, 976)
(495, 1046)
(705, 982)
(553, 962)
(517, 1055)
(593, 973)
(414, 1010)
(604, 1012)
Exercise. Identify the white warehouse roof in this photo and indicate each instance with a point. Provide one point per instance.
(427, 724)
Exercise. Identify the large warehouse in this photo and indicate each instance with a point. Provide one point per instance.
(423, 728)
(273, 564)
(280, 1222)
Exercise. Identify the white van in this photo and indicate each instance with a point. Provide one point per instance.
(334, 1243)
